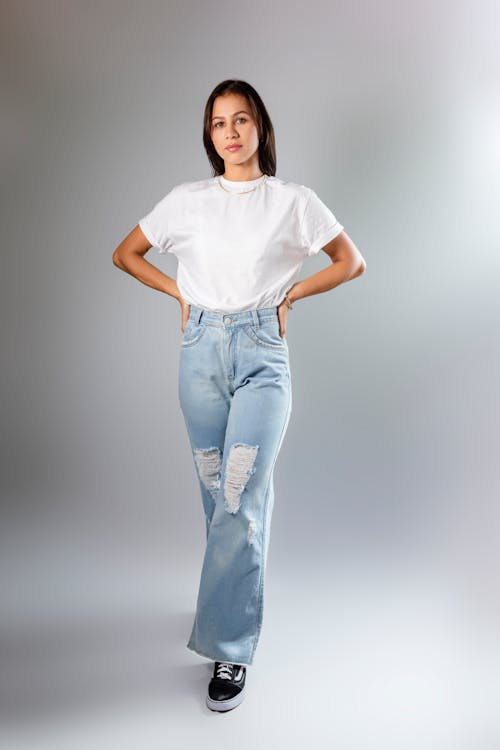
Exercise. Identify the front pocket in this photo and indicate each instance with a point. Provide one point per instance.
(192, 333)
(267, 334)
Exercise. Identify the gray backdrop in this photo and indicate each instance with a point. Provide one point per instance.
(382, 600)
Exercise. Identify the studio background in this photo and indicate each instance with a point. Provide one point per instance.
(382, 583)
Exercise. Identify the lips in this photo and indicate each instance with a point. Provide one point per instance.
(233, 148)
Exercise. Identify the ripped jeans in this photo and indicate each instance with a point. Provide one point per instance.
(236, 397)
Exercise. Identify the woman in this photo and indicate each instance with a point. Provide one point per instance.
(240, 237)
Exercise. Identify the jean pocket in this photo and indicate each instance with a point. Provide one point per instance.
(192, 333)
(266, 334)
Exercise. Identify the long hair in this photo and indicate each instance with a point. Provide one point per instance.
(267, 145)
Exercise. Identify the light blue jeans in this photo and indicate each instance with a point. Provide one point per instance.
(236, 397)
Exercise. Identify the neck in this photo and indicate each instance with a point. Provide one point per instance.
(242, 174)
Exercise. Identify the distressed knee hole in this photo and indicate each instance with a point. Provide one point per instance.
(239, 469)
(209, 464)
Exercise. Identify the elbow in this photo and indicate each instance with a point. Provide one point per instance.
(359, 270)
(358, 263)
(116, 259)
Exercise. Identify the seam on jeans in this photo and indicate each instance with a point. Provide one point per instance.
(269, 345)
(191, 342)
(264, 522)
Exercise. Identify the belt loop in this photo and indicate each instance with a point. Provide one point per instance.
(255, 316)
(198, 315)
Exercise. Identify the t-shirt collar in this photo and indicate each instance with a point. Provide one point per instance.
(237, 185)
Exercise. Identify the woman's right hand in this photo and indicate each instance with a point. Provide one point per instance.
(185, 310)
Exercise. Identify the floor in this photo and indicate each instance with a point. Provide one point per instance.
(349, 658)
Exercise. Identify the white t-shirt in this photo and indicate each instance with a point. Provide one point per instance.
(239, 251)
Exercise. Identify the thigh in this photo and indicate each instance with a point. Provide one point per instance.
(258, 413)
(202, 386)
(257, 421)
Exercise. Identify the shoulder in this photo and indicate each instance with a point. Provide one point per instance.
(179, 197)
(289, 188)
(194, 186)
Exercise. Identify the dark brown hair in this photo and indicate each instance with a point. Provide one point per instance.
(267, 146)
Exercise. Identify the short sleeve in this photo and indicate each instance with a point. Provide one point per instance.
(158, 224)
(319, 225)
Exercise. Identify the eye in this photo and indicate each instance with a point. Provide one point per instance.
(238, 119)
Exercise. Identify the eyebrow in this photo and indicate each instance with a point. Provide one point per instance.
(221, 117)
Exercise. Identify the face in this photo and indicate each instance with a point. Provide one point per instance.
(233, 124)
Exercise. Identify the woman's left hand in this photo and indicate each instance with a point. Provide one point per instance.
(283, 309)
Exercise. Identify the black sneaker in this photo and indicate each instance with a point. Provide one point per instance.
(227, 686)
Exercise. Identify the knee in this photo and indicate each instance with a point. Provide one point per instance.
(239, 469)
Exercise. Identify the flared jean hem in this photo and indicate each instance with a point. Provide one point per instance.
(216, 658)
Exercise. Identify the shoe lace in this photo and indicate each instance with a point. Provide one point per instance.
(224, 670)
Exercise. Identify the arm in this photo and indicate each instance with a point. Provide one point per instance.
(129, 257)
(347, 264)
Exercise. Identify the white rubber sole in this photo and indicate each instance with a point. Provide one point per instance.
(226, 705)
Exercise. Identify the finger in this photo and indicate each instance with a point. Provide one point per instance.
(282, 326)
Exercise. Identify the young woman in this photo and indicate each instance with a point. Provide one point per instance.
(240, 237)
